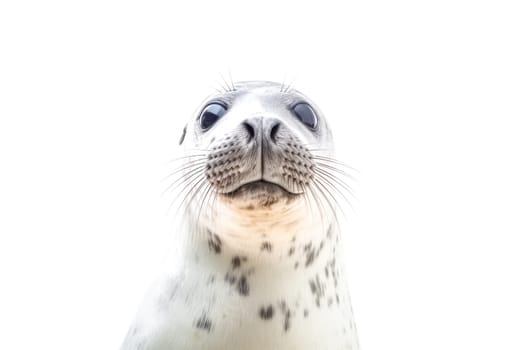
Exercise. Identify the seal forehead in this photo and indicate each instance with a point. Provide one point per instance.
(256, 84)
(269, 94)
(269, 91)
(253, 97)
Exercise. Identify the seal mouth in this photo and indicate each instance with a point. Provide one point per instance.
(261, 187)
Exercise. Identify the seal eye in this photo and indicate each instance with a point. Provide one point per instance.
(210, 114)
(306, 115)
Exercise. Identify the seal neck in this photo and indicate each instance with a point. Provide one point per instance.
(285, 240)
(266, 229)
(303, 267)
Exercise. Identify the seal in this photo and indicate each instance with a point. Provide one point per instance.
(261, 264)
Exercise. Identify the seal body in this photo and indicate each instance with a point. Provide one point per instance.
(261, 265)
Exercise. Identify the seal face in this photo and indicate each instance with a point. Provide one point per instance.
(261, 265)
(257, 134)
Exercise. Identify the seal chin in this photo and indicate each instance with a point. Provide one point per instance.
(261, 187)
(262, 192)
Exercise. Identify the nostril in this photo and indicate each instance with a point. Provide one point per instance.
(273, 132)
(249, 129)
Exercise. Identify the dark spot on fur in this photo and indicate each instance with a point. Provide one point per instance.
(266, 313)
(309, 258)
(330, 267)
(204, 323)
(287, 320)
(291, 251)
(287, 314)
(236, 262)
(312, 286)
(266, 246)
(231, 279)
(296, 265)
(214, 243)
(308, 247)
(318, 289)
(242, 286)
(312, 253)
(305, 313)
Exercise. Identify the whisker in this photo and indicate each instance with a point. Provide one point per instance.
(318, 203)
(343, 184)
(282, 84)
(230, 89)
(210, 197)
(185, 177)
(187, 182)
(184, 192)
(332, 209)
(289, 86)
(202, 200)
(215, 195)
(307, 200)
(193, 188)
(193, 193)
(184, 167)
(199, 156)
(329, 183)
(333, 168)
(231, 80)
(215, 88)
(333, 160)
(335, 201)
(224, 89)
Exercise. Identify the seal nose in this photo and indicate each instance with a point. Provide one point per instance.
(273, 131)
(267, 128)
(250, 129)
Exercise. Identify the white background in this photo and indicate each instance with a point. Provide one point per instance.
(426, 99)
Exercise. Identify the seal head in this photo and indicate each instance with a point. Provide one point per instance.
(257, 139)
